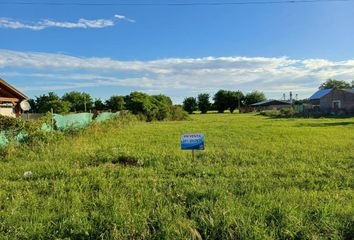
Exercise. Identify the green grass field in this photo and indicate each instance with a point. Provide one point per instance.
(259, 178)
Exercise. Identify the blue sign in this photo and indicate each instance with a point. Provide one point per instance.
(192, 141)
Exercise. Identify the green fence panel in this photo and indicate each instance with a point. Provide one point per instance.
(3, 139)
(80, 120)
(106, 116)
(299, 108)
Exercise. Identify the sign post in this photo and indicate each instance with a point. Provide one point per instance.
(192, 142)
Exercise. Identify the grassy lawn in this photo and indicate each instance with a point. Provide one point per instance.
(259, 178)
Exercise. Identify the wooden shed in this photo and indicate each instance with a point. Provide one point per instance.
(271, 104)
(10, 99)
(338, 101)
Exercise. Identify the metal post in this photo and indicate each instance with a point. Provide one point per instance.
(193, 154)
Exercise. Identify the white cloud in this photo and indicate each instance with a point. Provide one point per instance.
(47, 23)
(183, 75)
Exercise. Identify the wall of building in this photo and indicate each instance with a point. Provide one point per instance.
(346, 102)
(6, 111)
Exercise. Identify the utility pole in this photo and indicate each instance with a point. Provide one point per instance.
(85, 103)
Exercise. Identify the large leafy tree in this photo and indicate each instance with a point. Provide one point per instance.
(45, 103)
(79, 101)
(115, 103)
(138, 103)
(221, 101)
(190, 104)
(203, 102)
(162, 99)
(254, 97)
(235, 100)
(336, 84)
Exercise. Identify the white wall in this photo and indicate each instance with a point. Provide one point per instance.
(10, 112)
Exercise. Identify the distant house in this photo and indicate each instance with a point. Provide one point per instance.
(10, 99)
(338, 101)
(271, 104)
(315, 98)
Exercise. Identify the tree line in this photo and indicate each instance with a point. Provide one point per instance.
(222, 100)
(152, 107)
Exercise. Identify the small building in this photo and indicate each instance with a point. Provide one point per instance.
(10, 99)
(271, 104)
(338, 101)
(314, 100)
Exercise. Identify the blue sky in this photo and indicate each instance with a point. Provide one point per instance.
(175, 50)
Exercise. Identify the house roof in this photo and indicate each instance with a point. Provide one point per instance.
(320, 93)
(349, 90)
(269, 103)
(9, 91)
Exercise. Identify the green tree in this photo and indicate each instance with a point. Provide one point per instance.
(203, 102)
(115, 103)
(254, 97)
(221, 100)
(235, 100)
(79, 101)
(163, 99)
(45, 103)
(190, 104)
(139, 103)
(98, 104)
(336, 84)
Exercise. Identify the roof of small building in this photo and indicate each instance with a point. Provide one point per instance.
(270, 102)
(349, 90)
(11, 90)
(320, 93)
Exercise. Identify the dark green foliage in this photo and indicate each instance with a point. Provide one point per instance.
(80, 102)
(336, 84)
(98, 104)
(162, 99)
(138, 103)
(235, 100)
(45, 103)
(254, 97)
(190, 104)
(203, 102)
(115, 103)
(221, 101)
(158, 107)
(33, 105)
(224, 100)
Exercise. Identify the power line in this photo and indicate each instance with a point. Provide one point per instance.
(174, 4)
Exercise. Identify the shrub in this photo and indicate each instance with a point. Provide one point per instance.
(18, 130)
(270, 113)
(190, 104)
(177, 113)
(285, 112)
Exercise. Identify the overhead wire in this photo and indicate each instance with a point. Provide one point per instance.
(170, 3)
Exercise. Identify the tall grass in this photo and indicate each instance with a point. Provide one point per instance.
(258, 178)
